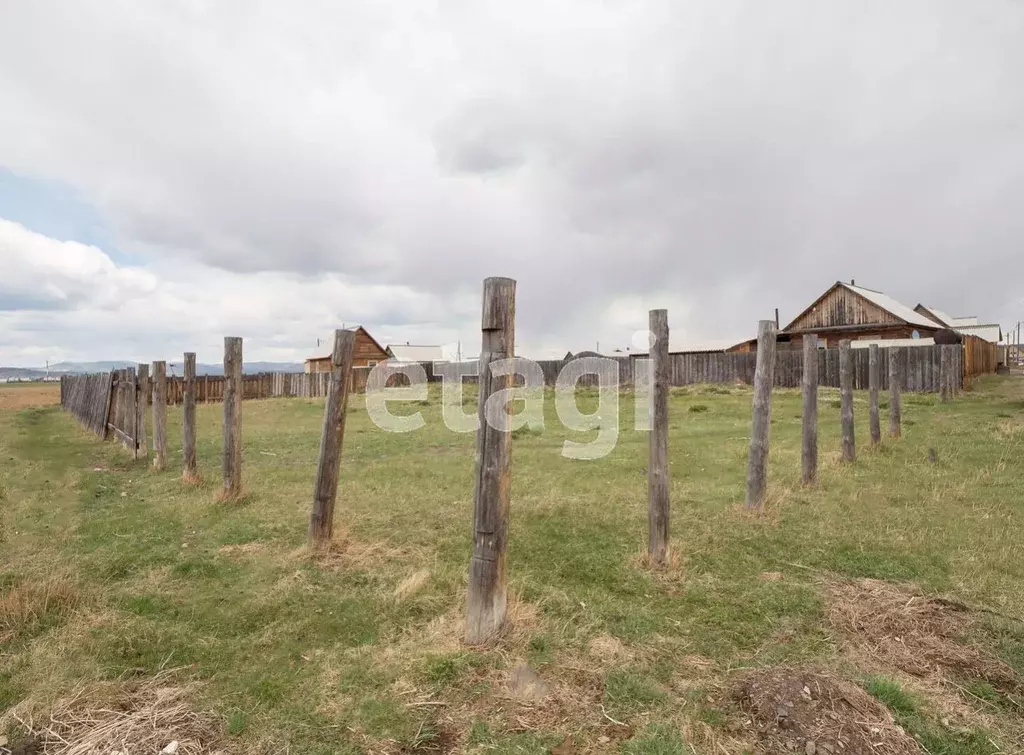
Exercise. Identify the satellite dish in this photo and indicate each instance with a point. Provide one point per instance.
(915, 334)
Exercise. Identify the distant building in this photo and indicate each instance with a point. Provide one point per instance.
(407, 352)
(967, 326)
(863, 316)
(368, 352)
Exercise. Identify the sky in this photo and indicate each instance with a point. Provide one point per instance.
(175, 171)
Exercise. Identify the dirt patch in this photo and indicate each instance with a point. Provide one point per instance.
(19, 396)
(919, 635)
(144, 716)
(794, 710)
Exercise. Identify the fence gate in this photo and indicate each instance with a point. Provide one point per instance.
(123, 415)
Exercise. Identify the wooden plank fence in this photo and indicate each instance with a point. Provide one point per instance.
(87, 397)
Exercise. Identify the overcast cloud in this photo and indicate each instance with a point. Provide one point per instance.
(272, 170)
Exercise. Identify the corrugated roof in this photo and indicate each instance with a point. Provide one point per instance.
(946, 319)
(405, 352)
(965, 322)
(889, 304)
(991, 333)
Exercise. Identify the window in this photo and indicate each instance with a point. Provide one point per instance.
(371, 363)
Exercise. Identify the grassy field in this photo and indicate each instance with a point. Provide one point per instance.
(113, 575)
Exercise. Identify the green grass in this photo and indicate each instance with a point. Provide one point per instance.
(341, 653)
(892, 694)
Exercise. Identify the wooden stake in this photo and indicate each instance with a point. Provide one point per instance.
(232, 463)
(945, 373)
(142, 405)
(486, 601)
(658, 510)
(874, 382)
(190, 472)
(764, 378)
(809, 453)
(895, 380)
(159, 416)
(846, 401)
(325, 487)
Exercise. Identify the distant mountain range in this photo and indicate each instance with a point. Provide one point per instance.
(173, 368)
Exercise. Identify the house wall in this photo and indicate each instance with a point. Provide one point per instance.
(365, 354)
(842, 307)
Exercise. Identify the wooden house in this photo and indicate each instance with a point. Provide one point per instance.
(368, 352)
(847, 311)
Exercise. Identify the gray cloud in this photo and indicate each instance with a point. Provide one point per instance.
(721, 158)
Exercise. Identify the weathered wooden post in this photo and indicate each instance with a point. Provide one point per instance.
(874, 382)
(232, 462)
(945, 372)
(846, 401)
(325, 487)
(958, 377)
(657, 466)
(159, 416)
(190, 472)
(764, 378)
(895, 379)
(488, 568)
(141, 407)
(809, 452)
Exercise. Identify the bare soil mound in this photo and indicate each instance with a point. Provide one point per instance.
(795, 710)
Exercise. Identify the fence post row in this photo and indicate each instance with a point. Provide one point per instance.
(486, 599)
(757, 463)
(325, 486)
(657, 467)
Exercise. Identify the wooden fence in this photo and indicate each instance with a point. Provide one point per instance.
(920, 367)
(87, 397)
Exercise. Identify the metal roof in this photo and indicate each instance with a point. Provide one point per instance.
(889, 304)
(991, 333)
(404, 352)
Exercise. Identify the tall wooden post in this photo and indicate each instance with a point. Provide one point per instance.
(142, 405)
(131, 409)
(232, 462)
(874, 383)
(764, 378)
(657, 467)
(488, 567)
(895, 383)
(956, 362)
(325, 487)
(846, 401)
(809, 452)
(159, 416)
(190, 471)
(945, 373)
